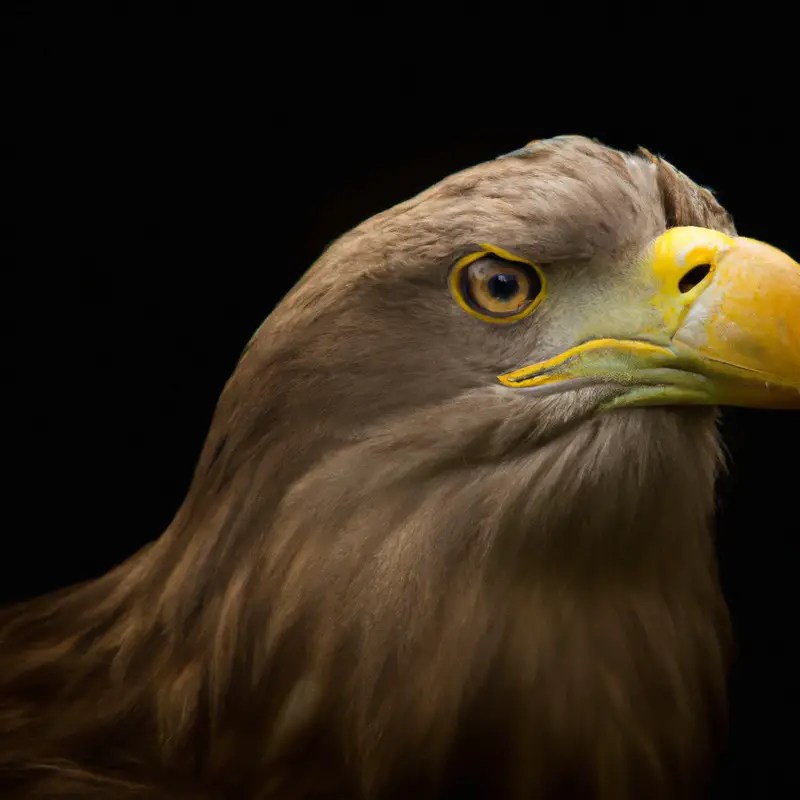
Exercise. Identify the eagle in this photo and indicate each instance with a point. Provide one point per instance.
(451, 531)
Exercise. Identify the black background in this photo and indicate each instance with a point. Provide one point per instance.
(168, 172)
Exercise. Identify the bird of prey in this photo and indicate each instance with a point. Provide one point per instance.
(450, 534)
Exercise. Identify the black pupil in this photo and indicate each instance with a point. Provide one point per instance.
(503, 286)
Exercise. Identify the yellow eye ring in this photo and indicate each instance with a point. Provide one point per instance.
(476, 278)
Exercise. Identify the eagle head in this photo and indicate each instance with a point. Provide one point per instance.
(449, 535)
(471, 460)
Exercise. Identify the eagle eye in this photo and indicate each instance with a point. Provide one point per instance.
(496, 288)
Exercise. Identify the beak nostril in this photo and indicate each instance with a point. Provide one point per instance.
(694, 276)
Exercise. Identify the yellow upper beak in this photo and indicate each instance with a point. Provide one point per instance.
(709, 319)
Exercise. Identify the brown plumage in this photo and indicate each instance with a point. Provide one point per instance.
(392, 577)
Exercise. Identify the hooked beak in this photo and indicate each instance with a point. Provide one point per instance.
(709, 319)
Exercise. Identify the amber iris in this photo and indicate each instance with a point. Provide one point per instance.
(499, 288)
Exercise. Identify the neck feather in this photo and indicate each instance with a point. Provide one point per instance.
(444, 599)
